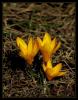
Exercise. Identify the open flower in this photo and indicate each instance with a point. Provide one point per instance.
(28, 52)
(51, 71)
(48, 47)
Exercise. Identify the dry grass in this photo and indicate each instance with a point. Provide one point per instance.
(33, 19)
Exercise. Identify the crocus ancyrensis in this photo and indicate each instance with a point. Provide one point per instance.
(51, 71)
(48, 47)
(28, 52)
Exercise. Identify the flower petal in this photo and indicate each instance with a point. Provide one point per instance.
(46, 52)
(30, 60)
(40, 43)
(22, 45)
(44, 67)
(53, 44)
(48, 69)
(46, 39)
(49, 64)
(56, 69)
(49, 73)
(61, 73)
(49, 77)
(57, 47)
(46, 55)
(22, 55)
(30, 46)
(35, 48)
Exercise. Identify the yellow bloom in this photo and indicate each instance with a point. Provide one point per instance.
(48, 47)
(27, 52)
(51, 71)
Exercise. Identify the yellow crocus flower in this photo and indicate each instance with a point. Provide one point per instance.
(51, 71)
(28, 52)
(48, 46)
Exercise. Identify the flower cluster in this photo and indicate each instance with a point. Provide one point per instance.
(47, 47)
(29, 51)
